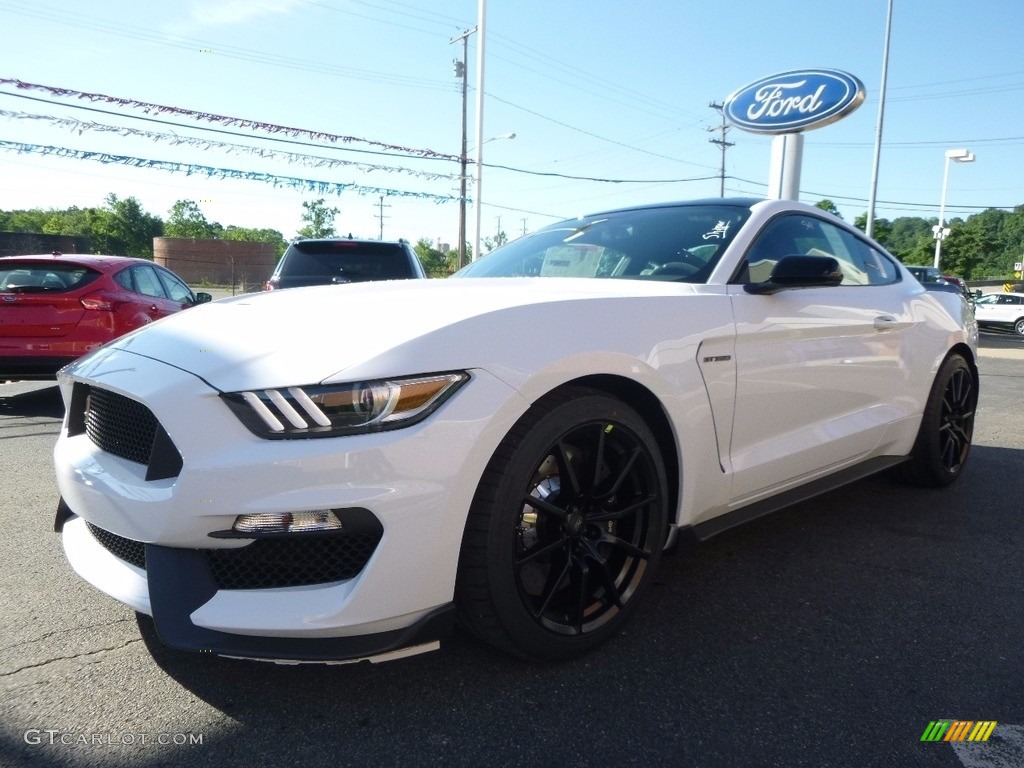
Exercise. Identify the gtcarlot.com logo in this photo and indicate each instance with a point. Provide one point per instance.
(37, 736)
(958, 730)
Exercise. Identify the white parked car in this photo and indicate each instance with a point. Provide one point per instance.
(291, 477)
(1001, 311)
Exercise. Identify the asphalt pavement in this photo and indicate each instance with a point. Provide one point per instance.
(828, 634)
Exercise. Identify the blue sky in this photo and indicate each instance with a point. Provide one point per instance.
(599, 89)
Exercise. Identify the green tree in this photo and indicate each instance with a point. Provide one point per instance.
(499, 239)
(319, 219)
(248, 235)
(123, 228)
(436, 262)
(185, 219)
(25, 221)
(963, 250)
(880, 230)
(907, 234)
(828, 205)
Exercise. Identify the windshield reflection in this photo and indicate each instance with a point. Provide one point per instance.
(680, 243)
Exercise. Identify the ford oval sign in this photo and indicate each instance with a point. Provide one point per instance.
(795, 101)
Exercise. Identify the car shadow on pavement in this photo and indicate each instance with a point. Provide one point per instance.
(38, 402)
(864, 589)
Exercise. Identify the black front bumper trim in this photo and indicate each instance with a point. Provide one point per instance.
(180, 582)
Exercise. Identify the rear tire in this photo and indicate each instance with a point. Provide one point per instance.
(566, 529)
(947, 428)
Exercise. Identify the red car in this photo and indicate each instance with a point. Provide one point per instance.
(56, 308)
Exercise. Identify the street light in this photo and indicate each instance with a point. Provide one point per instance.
(940, 230)
(511, 135)
(462, 196)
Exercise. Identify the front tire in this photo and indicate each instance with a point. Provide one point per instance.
(1018, 327)
(566, 529)
(947, 428)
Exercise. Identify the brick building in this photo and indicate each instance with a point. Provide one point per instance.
(218, 262)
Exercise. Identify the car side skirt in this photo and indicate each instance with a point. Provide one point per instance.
(716, 525)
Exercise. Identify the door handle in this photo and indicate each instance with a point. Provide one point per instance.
(885, 322)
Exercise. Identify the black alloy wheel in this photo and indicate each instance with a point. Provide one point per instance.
(947, 427)
(566, 529)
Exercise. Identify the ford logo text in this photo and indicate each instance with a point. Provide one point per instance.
(795, 101)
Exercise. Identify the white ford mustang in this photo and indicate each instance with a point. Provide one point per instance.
(339, 473)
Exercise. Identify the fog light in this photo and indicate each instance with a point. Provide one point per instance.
(287, 522)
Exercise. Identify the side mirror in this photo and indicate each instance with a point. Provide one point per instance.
(203, 298)
(977, 293)
(797, 271)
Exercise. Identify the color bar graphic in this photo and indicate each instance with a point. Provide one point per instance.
(959, 730)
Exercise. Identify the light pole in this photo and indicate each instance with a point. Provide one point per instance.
(940, 230)
(869, 228)
(476, 196)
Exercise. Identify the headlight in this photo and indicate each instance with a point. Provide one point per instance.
(327, 410)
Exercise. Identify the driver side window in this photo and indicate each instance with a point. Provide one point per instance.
(784, 236)
(860, 263)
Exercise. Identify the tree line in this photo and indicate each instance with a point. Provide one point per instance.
(122, 227)
(984, 245)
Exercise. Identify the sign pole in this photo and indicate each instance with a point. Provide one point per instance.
(785, 167)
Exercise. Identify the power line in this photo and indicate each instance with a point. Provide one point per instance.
(591, 134)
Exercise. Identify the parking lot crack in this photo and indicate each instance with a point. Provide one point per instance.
(48, 635)
(72, 657)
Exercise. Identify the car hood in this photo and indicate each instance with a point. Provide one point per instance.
(368, 330)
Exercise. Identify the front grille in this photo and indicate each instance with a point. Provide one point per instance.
(120, 425)
(133, 552)
(125, 428)
(292, 561)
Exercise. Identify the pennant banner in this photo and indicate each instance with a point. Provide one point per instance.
(310, 161)
(312, 185)
(207, 117)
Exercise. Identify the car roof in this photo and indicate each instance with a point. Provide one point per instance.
(734, 202)
(85, 259)
(347, 240)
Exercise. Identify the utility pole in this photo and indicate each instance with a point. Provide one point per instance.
(381, 216)
(478, 170)
(524, 226)
(722, 143)
(460, 71)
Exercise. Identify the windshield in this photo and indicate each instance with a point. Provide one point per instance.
(682, 243)
(44, 276)
(343, 258)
